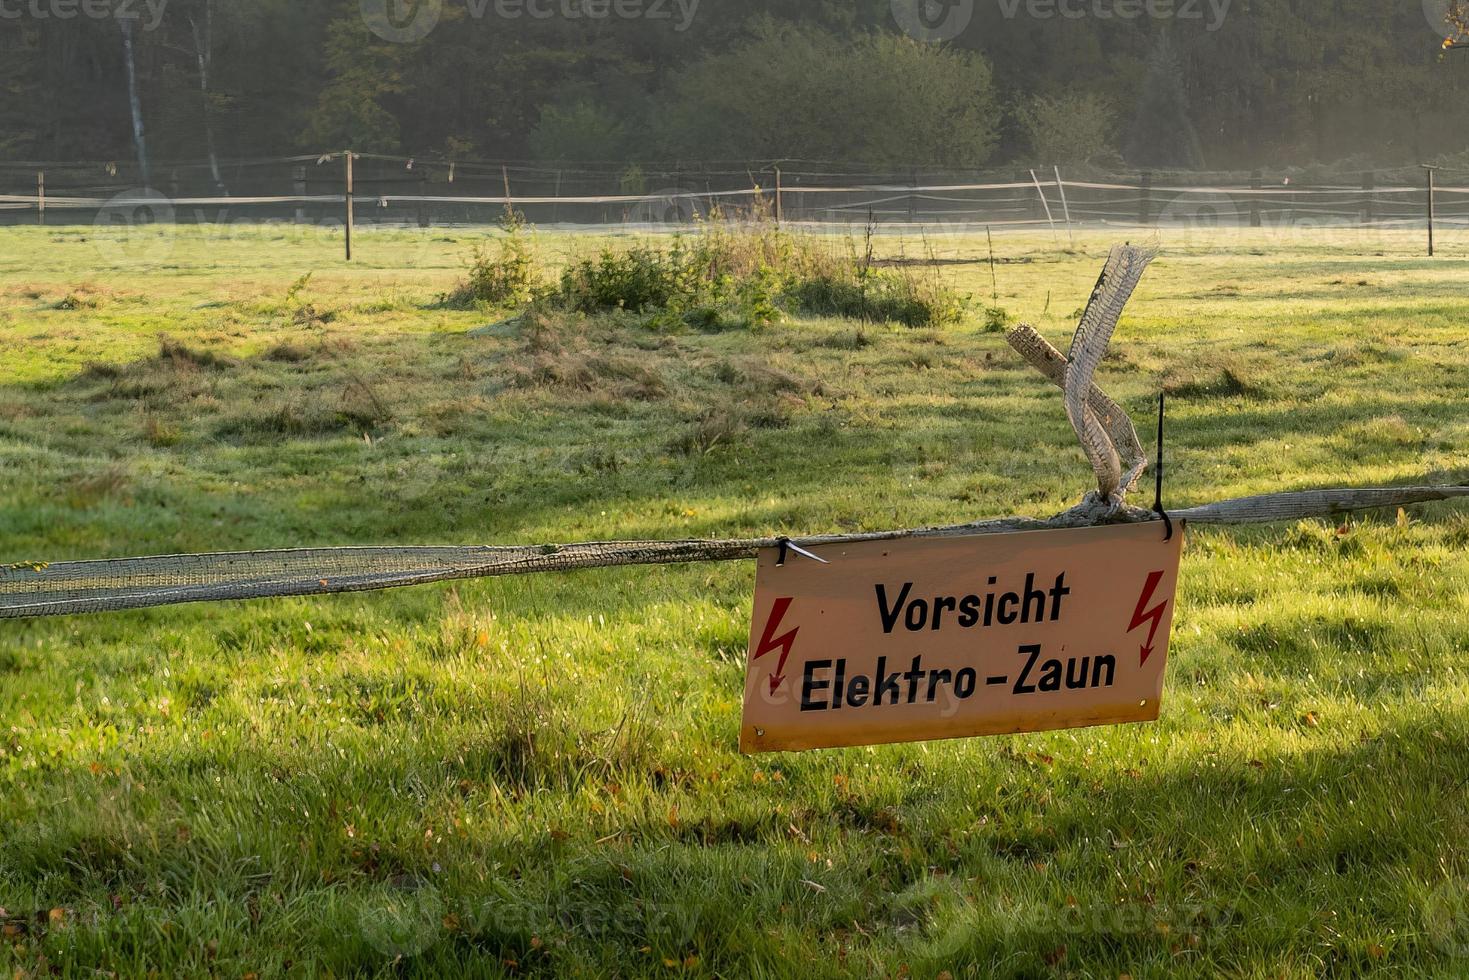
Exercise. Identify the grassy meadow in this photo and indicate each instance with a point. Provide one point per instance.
(540, 776)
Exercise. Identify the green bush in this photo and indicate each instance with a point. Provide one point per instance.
(728, 276)
(996, 319)
(509, 277)
(641, 280)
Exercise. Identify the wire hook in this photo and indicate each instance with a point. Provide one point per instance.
(787, 545)
(1158, 473)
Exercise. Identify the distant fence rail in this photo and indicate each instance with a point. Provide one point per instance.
(409, 192)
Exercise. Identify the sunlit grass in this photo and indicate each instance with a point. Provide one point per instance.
(540, 775)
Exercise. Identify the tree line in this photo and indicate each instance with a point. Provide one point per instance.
(1245, 84)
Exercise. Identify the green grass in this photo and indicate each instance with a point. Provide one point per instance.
(540, 775)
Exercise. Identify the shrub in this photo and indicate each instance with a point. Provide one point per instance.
(640, 281)
(509, 277)
(728, 276)
(996, 319)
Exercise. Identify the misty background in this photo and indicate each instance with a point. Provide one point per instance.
(1251, 84)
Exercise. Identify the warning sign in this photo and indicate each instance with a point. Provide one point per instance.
(903, 641)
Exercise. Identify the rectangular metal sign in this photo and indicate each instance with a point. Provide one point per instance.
(901, 641)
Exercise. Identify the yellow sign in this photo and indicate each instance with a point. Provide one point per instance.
(901, 641)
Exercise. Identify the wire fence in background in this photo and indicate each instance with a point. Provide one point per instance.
(403, 191)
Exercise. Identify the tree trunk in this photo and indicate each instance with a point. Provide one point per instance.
(204, 51)
(139, 142)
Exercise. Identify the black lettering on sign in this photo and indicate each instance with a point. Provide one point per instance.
(1021, 685)
(828, 685)
(886, 683)
(1031, 604)
(1048, 676)
(810, 686)
(890, 615)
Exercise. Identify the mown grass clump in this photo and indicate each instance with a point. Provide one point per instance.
(879, 296)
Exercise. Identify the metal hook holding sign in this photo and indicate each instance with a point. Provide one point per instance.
(787, 545)
(1158, 474)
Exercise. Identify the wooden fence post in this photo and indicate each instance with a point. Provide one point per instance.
(1430, 171)
(298, 182)
(347, 202)
(1369, 195)
(1047, 205)
(778, 214)
(1144, 198)
(41, 197)
(1256, 179)
(1065, 206)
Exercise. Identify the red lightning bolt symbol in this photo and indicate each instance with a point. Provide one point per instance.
(1143, 614)
(783, 643)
